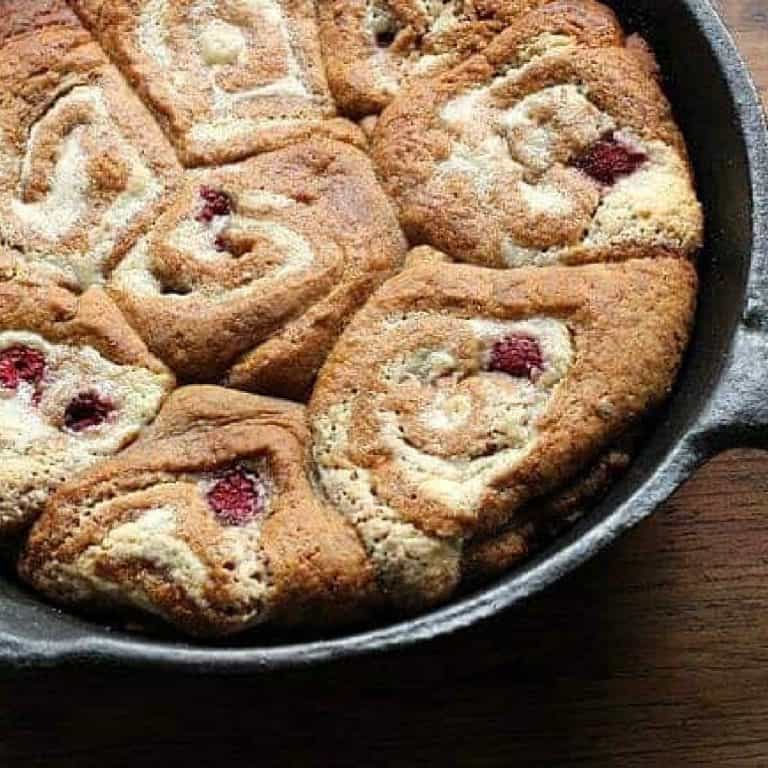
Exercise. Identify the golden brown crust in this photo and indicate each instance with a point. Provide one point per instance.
(644, 54)
(541, 520)
(487, 162)
(374, 48)
(85, 168)
(413, 422)
(306, 563)
(256, 297)
(20, 17)
(61, 317)
(252, 79)
(84, 348)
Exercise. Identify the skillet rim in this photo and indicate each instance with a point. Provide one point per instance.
(717, 426)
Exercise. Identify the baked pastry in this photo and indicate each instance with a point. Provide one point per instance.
(225, 79)
(458, 394)
(373, 48)
(543, 519)
(211, 522)
(553, 145)
(253, 270)
(76, 384)
(83, 167)
(210, 216)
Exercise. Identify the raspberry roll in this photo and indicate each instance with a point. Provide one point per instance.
(555, 145)
(375, 48)
(83, 166)
(254, 269)
(226, 79)
(210, 522)
(460, 394)
(76, 385)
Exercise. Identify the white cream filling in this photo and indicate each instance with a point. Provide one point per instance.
(152, 538)
(223, 44)
(28, 428)
(67, 202)
(195, 240)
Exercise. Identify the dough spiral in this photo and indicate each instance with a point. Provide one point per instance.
(458, 394)
(553, 145)
(83, 167)
(253, 270)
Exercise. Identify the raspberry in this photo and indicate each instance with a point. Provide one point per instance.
(237, 496)
(215, 203)
(87, 410)
(20, 363)
(608, 159)
(517, 355)
(221, 243)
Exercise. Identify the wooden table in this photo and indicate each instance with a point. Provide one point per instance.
(655, 654)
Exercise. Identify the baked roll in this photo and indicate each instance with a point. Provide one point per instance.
(210, 522)
(83, 166)
(76, 385)
(225, 79)
(374, 48)
(554, 145)
(254, 269)
(459, 394)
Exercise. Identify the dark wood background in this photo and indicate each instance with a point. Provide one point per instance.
(655, 654)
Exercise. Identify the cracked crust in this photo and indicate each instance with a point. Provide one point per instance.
(554, 145)
(375, 48)
(137, 530)
(225, 80)
(423, 442)
(86, 346)
(256, 296)
(83, 167)
(541, 520)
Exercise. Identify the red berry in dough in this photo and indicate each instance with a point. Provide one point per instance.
(87, 410)
(215, 203)
(609, 159)
(517, 355)
(20, 363)
(237, 496)
(221, 243)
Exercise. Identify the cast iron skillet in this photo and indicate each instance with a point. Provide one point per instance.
(719, 402)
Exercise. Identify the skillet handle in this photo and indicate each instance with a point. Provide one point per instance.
(737, 415)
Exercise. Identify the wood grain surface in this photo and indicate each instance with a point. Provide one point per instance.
(654, 654)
